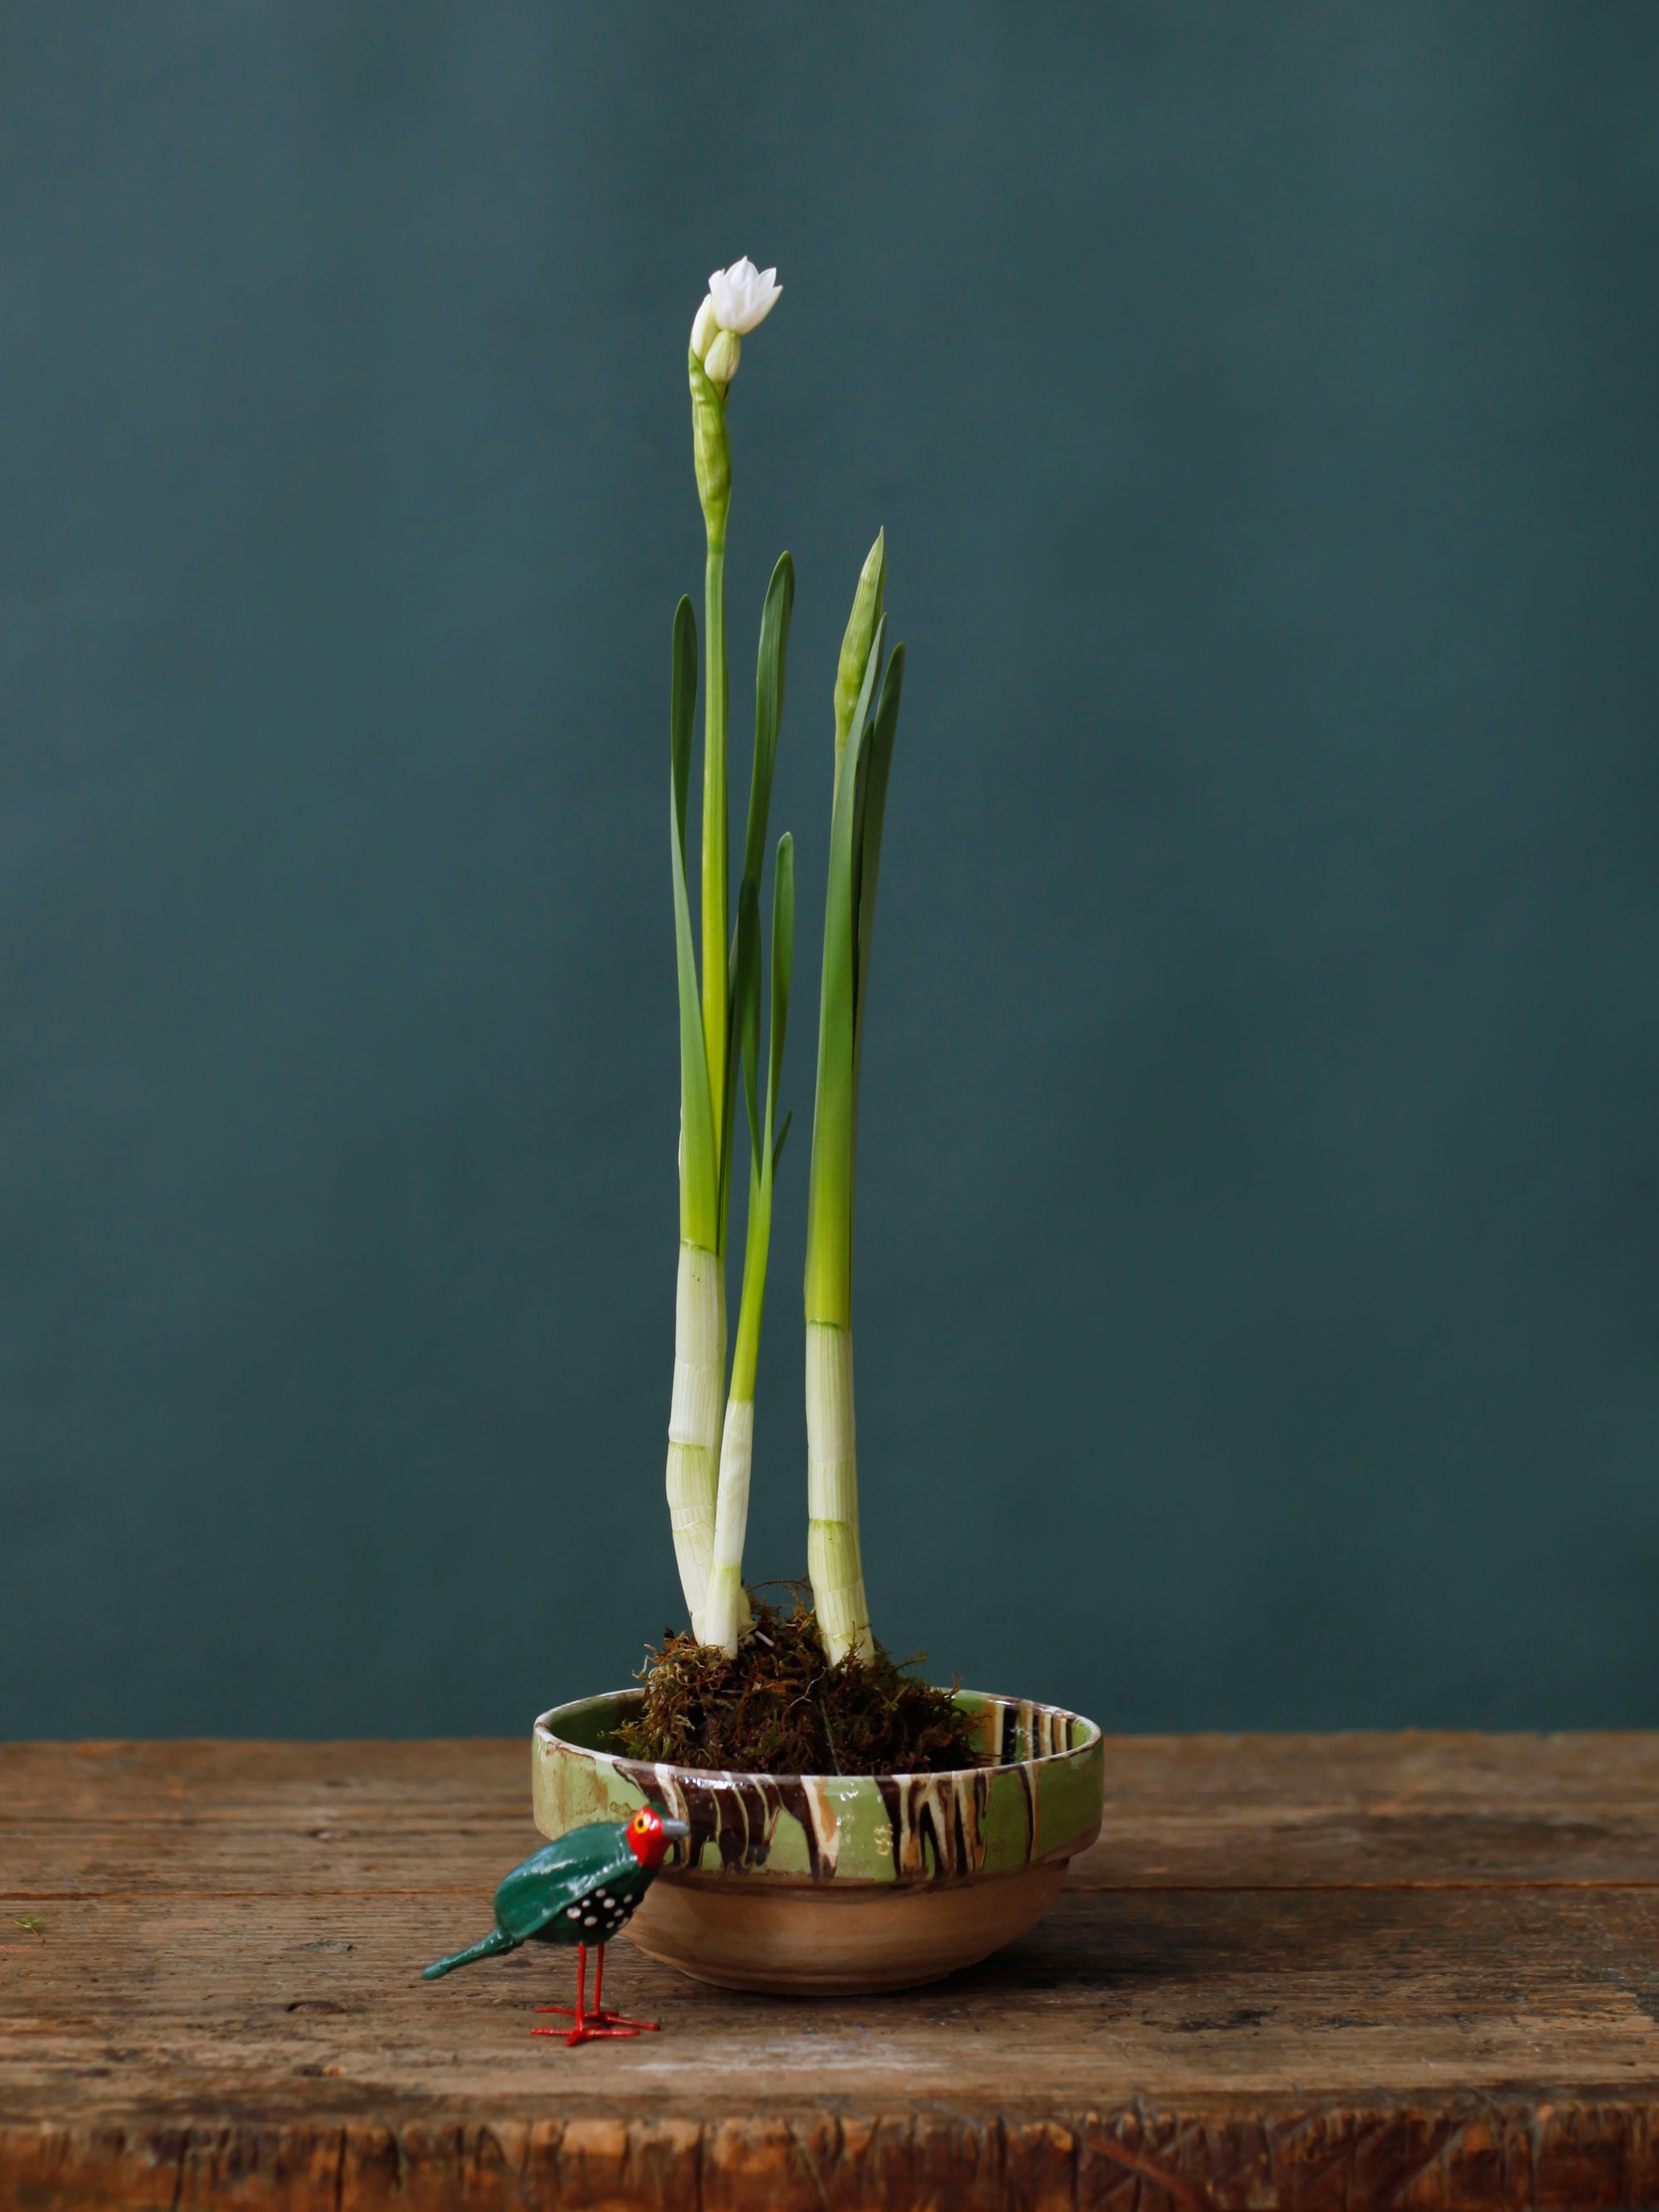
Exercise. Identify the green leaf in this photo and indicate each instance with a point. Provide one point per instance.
(777, 1149)
(746, 1004)
(859, 776)
(769, 671)
(769, 713)
(866, 689)
(783, 962)
(699, 1166)
(856, 645)
(829, 1185)
(878, 766)
(746, 997)
(872, 807)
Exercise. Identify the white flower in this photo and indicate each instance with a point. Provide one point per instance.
(744, 296)
(738, 300)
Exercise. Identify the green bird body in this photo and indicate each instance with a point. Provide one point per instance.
(582, 1888)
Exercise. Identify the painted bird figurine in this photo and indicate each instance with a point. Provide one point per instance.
(582, 1889)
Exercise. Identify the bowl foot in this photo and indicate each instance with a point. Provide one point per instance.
(815, 1939)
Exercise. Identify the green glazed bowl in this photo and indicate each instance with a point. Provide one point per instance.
(839, 1883)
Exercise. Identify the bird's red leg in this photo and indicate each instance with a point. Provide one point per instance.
(592, 2026)
(614, 2023)
(580, 2033)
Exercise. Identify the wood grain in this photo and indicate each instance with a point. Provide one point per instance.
(1332, 1972)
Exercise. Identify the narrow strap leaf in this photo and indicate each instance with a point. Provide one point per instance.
(769, 672)
(829, 1230)
(777, 1149)
(866, 689)
(873, 770)
(783, 962)
(746, 1005)
(859, 779)
(879, 766)
(682, 707)
(762, 1159)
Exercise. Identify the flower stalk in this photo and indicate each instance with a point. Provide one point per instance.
(707, 1538)
(712, 452)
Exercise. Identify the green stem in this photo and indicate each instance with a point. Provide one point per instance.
(746, 1351)
(711, 452)
(716, 909)
(724, 1610)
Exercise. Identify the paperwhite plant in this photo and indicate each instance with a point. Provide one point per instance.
(711, 1433)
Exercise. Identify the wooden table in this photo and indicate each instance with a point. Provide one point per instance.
(1332, 1970)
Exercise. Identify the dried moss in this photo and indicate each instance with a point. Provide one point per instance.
(780, 1708)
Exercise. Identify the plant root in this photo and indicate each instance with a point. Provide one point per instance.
(780, 1708)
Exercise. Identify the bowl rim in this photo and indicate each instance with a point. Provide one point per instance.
(714, 1775)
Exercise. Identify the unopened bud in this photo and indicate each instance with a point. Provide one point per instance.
(710, 449)
(704, 327)
(725, 351)
(860, 632)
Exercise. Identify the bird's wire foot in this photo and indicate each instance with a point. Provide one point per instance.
(600, 2023)
(588, 2030)
(608, 2023)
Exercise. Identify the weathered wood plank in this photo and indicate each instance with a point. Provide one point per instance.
(312, 2006)
(223, 1780)
(1460, 2159)
(1314, 1972)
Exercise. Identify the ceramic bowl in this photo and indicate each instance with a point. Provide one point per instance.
(803, 1884)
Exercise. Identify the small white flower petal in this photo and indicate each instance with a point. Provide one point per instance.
(723, 291)
(742, 296)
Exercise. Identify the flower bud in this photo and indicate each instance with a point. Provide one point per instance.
(704, 327)
(711, 450)
(860, 634)
(725, 351)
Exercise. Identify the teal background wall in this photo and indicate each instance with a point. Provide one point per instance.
(1259, 1267)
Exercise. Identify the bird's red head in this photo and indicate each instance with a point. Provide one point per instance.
(649, 1836)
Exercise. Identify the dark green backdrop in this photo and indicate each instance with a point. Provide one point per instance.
(1258, 1270)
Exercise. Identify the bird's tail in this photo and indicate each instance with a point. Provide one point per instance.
(487, 1947)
